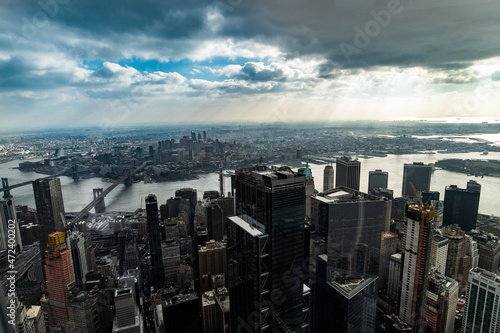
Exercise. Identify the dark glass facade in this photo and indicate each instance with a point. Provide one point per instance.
(348, 172)
(343, 301)
(460, 207)
(351, 224)
(154, 236)
(419, 174)
(274, 198)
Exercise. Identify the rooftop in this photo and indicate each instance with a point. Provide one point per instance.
(243, 224)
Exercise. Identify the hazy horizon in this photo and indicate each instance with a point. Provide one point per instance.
(73, 63)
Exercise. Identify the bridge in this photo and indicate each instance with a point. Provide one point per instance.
(6, 187)
(99, 198)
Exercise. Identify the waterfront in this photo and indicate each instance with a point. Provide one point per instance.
(128, 198)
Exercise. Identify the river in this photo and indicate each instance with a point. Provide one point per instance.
(128, 198)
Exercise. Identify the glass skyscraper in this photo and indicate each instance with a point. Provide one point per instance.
(273, 201)
(154, 236)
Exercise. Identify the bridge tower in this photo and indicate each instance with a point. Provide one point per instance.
(5, 185)
(100, 206)
(128, 180)
(74, 172)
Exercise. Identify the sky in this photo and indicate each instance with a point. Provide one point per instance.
(79, 62)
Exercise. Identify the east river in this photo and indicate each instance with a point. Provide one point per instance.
(128, 198)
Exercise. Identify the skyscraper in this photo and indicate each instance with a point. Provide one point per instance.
(419, 174)
(377, 179)
(8, 221)
(49, 208)
(482, 302)
(60, 276)
(472, 185)
(247, 254)
(441, 303)
(351, 224)
(460, 207)
(439, 253)
(348, 172)
(344, 301)
(212, 258)
(328, 176)
(415, 265)
(154, 236)
(127, 319)
(79, 256)
(274, 200)
(309, 186)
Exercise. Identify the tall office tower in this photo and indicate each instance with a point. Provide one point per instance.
(344, 301)
(215, 311)
(460, 207)
(472, 251)
(83, 311)
(154, 236)
(351, 224)
(181, 313)
(212, 258)
(377, 179)
(49, 208)
(419, 174)
(247, 251)
(275, 199)
(456, 251)
(8, 221)
(309, 187)
(20, 322)
(489, 250)
(35, 315)
(394, 277)
(348, 172)
(439, 253)
(389, 245)
(328, 176)
(472, 185)
(192, 195)
(204, 136)
(60, 276)
(415, 265)
(127, 317)
(171, 258)
(79, 256)
(215, 222)
(441, 303)
(217, 213)
(482, 302)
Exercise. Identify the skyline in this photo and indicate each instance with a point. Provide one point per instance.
(78, 63)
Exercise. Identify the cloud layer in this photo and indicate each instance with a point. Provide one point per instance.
(81, 61)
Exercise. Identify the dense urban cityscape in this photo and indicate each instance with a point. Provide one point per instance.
(241, 166)
(283, 238)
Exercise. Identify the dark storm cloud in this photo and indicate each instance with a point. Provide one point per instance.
(254, 72)
(18, 74)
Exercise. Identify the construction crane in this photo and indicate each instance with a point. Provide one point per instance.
(417, 195)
